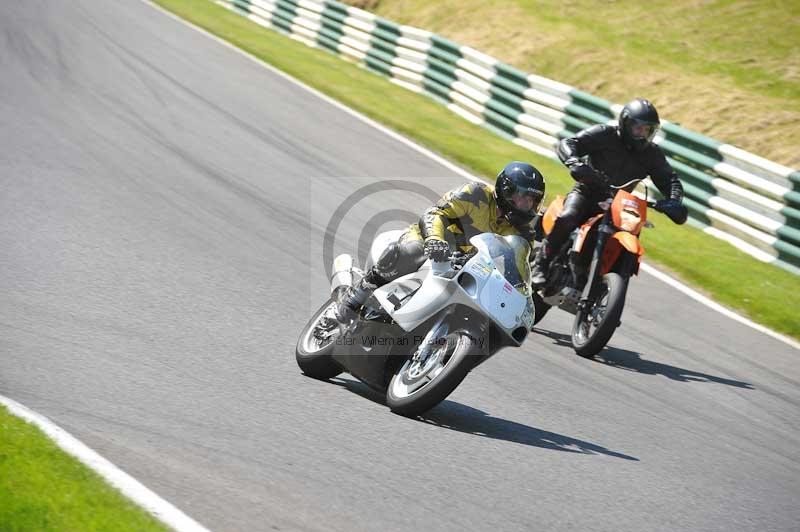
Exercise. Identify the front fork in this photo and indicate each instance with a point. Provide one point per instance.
(604, 231)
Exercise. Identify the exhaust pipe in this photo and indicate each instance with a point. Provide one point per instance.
(345, 274)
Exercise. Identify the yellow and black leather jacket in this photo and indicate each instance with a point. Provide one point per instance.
(462, 213)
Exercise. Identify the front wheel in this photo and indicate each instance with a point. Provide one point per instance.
(316, 343)
(594, 326)
(540, 308)
(431, 374)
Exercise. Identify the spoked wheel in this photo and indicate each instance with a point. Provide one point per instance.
(594, 326)
(316, 342)
(436, 368)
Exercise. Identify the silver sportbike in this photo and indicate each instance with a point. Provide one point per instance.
(416, 338)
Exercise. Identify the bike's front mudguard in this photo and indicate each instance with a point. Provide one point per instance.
(616, 244)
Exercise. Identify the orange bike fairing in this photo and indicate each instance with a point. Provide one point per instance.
(552, 212)
(584, 230)
(628, 212)
(629, 241)
(619, 241)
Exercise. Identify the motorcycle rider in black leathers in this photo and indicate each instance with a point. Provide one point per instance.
(507, 208)
(608, 155)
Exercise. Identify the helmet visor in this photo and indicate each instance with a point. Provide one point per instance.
(642, 130)
(526, 201)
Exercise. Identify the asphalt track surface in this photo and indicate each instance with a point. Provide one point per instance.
(163, 200)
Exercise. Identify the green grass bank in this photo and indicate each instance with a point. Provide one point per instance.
(729, 69)
(42, 488)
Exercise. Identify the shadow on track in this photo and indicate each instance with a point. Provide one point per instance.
(452, 415)
(633, 361)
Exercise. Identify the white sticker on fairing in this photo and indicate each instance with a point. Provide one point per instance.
(479, 270)
(633, 204)
(506, 307)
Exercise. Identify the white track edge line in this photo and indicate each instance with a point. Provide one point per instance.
(457, 169)
(129, 486)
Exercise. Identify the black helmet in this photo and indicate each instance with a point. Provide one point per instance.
(520, 178)
(638, 112)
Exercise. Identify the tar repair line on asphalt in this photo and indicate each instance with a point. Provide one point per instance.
(690, 292)
(129, 486)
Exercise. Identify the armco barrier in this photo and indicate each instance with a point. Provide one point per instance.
(744, 199)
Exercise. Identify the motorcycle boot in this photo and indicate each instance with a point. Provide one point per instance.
(353, 299)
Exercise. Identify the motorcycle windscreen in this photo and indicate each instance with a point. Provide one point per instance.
(510, 255)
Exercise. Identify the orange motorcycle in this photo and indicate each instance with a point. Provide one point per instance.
(588, 276)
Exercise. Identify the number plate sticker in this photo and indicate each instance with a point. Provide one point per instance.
(479, 270)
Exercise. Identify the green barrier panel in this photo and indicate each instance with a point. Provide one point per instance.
(500, 121)
(447, 45)
(697, 211)
(385, 37)
(329, 39)
(437, 85)
(575, 124)
(787, 252)
(388, 26)
(508, 112)
(330, 44)
(516, 76)
(789, 235)
(384, 46)
(442, 68)
(792, 198)
(509, 86)
(588, 114)
(697, 194)
(330, 26)
(381, 55)
(335, 7)
(507, 98)
(379, 62)
(243, 5)
(443, 55)
(283, 16)
(684, 137)
(592, 103)
(689, 174)
(692, 156)
(377, 66)
(792, 216)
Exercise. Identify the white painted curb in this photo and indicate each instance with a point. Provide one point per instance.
(447, 164)
(129, 486)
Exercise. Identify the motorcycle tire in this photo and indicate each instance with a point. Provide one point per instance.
(455, 369)
(540, 308)
(617, 286)
(316, 364)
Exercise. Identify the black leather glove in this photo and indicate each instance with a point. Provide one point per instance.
(437, 250)
(584, 173)
(674, 210)
(667, 204)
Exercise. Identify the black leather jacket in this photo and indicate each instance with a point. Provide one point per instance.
(608, 154)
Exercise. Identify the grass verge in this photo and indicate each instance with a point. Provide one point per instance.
(726, 68)
(731, 277)
(43, 488)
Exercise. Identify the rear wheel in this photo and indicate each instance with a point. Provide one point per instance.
(594, 326)
(431, 374)
(316, 342)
